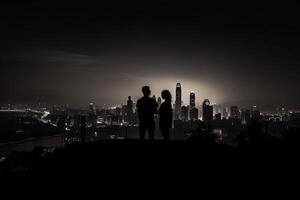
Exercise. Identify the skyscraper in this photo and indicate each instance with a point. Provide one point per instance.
(83, 131)
(246, 116)
(225, 112)
(207, 110)
(218, 117)
(234, 112)
(124, 111)
(184, 113)
(92, 110)
(193, 109)
(256, 115)
(129, 110)
(178, 102)
(192, 100)
(194, 114)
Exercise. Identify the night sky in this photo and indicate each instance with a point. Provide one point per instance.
(76, 53)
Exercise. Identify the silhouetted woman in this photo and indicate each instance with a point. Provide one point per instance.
(165, 114)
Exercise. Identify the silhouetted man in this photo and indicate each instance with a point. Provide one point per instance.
(146, 108)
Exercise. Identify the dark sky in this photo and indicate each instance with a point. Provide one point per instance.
(74, 53)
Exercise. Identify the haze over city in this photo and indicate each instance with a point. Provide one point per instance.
(76, 53)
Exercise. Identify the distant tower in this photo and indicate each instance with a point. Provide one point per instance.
(194, 114)
(246, 116)
(207, 110)
(225, 112)
(192, 100)
(124, 112)
(178, 102)
(184, 113)
(92, 109)
(234, 112)
(129, 110)
(83, 131)
(218, 117)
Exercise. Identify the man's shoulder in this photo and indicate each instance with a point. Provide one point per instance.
(138, 102)
(146, 100)
(140, 99)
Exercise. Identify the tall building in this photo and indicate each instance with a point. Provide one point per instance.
(225, 112)
(218, 117)
(178, 102)
(256, 115)
(189, 112)
(192, 100)
(129, 110)
(193, 109)
(246, 116)
(82, 131)
(184, 113)
(117, 111)
(92, 110)
(217, 109)
(124, 111)
(207, 110)
(194, 114)
(234, 112)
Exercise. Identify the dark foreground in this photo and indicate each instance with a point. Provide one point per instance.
(148, 169)
(122, 158)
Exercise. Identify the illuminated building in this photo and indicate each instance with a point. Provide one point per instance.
(207, 110)
(225, 112)
(256, 115)
(178, 102)
(246, 116)
(92, 109)
(184, 113)
(192, 99)
(129, 110)
(194, 114)
(218, 117)
(234, 112)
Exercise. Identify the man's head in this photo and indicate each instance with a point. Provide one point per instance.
(146, 91)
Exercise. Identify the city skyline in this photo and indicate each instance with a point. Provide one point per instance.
(161, 90)
(180, 108)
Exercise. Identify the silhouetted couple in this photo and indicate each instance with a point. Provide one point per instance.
(147, 107)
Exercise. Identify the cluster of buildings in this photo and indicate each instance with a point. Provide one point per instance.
(92, 122)
(209, 113)
(191, 112)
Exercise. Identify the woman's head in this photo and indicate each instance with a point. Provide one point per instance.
(166, 95)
